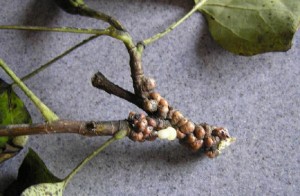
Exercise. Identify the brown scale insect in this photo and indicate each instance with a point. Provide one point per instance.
(181, 122)
(162, 102)
(190, 138)
(180, 135)
(195, 146)
(187, 128)
(142, 127)
(221, 133)
(150, 105)
(148, 84)
(176, 117)
(212, 154)
(208, 142)
(155, 96)
(199, 132)
(163, 111)
(151, 122)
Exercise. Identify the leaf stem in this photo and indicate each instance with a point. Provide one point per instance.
(57, 29)
(86, 11)
(48, 114)
(119, 135)
(46, 65)
(110, 31)
(80, 8)
(174, 25)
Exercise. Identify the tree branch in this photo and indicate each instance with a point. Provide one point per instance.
(138, 127)
(136, 68)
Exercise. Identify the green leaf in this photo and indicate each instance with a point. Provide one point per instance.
(45, 189)
(3, 141)
(33, 171)
(249, 27)
(70, 6)
(12, 111)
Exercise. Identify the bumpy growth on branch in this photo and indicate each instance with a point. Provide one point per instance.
(201, 137)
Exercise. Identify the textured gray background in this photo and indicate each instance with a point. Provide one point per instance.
(257, 98)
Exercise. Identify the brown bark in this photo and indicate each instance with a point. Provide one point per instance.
(86, 128)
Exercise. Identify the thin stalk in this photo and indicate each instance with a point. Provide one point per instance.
(46, 65)
(78, 7)
(110, 31)
(48, 114)
(86, 11)
(174, 25)
(125, 37)
(120, 135)
(58, 29)
(87, 159)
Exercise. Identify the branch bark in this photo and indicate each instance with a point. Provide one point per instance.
(85, 128)
(101, 82)
(136, 68)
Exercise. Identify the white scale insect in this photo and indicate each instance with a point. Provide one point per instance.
(167, 134)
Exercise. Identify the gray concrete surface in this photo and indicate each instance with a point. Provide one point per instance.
(257, 98)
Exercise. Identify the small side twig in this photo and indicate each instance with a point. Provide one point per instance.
(101, 82)
(46, 65)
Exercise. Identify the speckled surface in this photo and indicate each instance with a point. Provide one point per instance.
(256, 98)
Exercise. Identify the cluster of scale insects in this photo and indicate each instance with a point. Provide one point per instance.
(201, 137)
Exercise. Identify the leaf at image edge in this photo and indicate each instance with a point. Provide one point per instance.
(251, 27)
(12, 111)
(44, 189)
(31, 172)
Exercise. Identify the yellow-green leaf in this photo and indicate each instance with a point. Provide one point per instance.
(32, 171)
(12, 111)
(249, 27)
(70, 6)
(45, 189)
